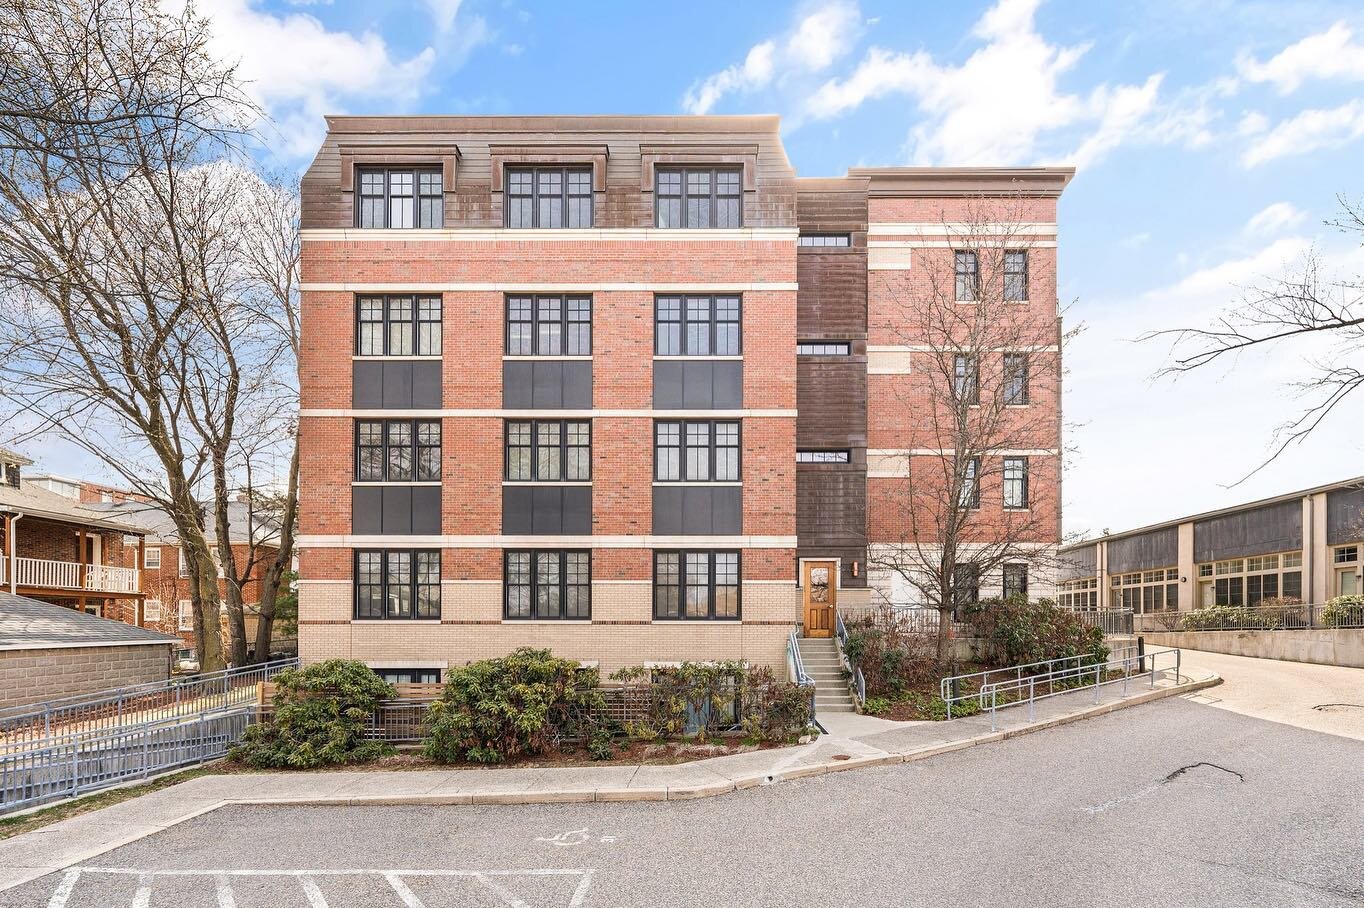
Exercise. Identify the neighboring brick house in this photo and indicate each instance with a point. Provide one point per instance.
(608, 385)
(166, 576)
(48, 652)
(57, 549)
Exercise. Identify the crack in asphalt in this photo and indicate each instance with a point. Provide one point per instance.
(1192, 766)
(1331, 707)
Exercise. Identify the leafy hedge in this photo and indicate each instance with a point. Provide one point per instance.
(1236, 617)
(319, 718)
(1015, 631)
(892, 657)
(704, 698)
(1344, 611)
(518, 705)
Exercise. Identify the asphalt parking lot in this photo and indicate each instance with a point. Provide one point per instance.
(1171, 803)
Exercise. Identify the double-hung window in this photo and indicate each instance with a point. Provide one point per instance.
(397, 450)
(397, 325)
(698, 325)
(549, 197)
(399, 197)
(1015, 580)
(970, 483)
(548, 450)
(547, 585)
(696, 586)
(967, 268)
(966, 379)
(696, 450)
(965, 584)
(1015, 379)
(397, 584)
(698, 197)
(1015, 276)
(549, 325)
(1016, 483)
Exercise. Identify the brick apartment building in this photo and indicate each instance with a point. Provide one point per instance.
(617, 386)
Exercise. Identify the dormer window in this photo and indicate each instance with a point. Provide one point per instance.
(9, 474)
(549, 197)
(699, 197)
(398, 197)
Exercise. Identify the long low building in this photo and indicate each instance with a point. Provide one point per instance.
(1302, 545)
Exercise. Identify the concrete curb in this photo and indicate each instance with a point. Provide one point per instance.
(19, 875)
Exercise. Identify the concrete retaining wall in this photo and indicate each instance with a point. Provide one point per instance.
(1343, 646)
(31, 675)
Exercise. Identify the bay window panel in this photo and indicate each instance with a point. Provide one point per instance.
(727, 451)
(431, 207)
(726, 585)
(697, 581)
(578, 585)
(369, 455)
(579, 340)
(579, 448)
(668, 326)
(428, 326)
(548, 461)
(668, 451)
(698, 451)
(370, 333)
(400, 203)
(518, 585)
(548, 316)
(400, 322)
(727, 330)
(698, 326)
(667, 585)
(518, 451)
(547, 591)
(398, 584)
(399, 451)
(550, 189)
(428, 451)
(519, 326)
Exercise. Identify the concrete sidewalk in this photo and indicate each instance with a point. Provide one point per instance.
(854, 741)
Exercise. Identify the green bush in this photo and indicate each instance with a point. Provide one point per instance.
(1015, 631)
(1344, 611)
(775, 712)
(703, 698)
(519, 705)
(876, 706)
(892, 656)
(1289, 613)
(320, 713)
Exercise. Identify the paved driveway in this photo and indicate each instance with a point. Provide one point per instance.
(1324, 698)
(1172, 803)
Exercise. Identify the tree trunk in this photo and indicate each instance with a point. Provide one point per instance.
(944, 635)
(284, 556)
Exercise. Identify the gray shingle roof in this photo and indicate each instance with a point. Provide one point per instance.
(40, 502)
(152, 520)
(29, 624)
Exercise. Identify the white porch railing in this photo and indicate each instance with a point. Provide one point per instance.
(66, 575)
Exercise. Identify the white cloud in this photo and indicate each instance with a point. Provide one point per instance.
(1252, 123)
(998, 105)
(820, 37)
(1307, 131)
(443, 13)
(1332, 54)
(299, 70)
(1274, 219)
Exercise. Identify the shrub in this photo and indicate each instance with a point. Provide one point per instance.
(775, 711)
(892, 656)
(1015, 631)
(519, 705)
(319, 718)
(1236, 617)
(703, 698)
(1344, 611)
(600, 745)
(876, 706)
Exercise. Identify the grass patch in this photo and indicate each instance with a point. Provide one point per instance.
(12, 826)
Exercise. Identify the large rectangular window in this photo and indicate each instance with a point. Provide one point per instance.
(397, 450)
(547, 585)
(549, 197)
(970, 483)
(696, 586)
(1015, 379)
(398, 325)
(696, 451)
(399, 197)
(397, 584)
(1016, 276)
(548, 450)
(966, 379)
(965, 584)
(1015, 580)
(1016, 483)
(549, 325)
(698, 197)
(967, 268)
(697, 326)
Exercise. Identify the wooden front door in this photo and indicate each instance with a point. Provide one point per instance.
(819, 579)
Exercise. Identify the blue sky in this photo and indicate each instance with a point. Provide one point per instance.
(1212, 139)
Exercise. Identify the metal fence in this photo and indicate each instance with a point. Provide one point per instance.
(909, 618)
(73, 764)
(1253, 618)
(859, 681)
(32, 725)
(1113, 621)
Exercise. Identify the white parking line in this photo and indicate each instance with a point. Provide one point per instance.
(407, 895)
(508, 899)
(315, 897)
(143, 897)
(225, 897)
(64, 888)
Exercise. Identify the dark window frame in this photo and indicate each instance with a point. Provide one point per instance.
(390, 675)
(1021, 274)
(965, 579)
(1022, 480)
(563, 447)
(414, 447)
(564, 322)
(1014, 567)
(417, 321)
(809, 240)
(1016, 380)
(966, 268)
(839, 455)
(534, 584)
(682, 585)
(383, 584)
(684, 323)
(564, 197)
(966, 383)
(843, 348)
(711, 447)
(684, 196)
(417, 195)
(971, 483)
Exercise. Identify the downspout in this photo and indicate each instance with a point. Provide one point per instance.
(13, 566)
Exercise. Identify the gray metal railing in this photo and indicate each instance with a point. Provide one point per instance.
(859, 682)
(33, 725)
(912, 618)
(796, 666)
(1253, 618)
(1063, 676)
(957, 688)
(1111, 621)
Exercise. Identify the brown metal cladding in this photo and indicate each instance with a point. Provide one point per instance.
(831, 391)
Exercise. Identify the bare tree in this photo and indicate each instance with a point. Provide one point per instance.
(112, 255)
(975, 484)
(1310, 304)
